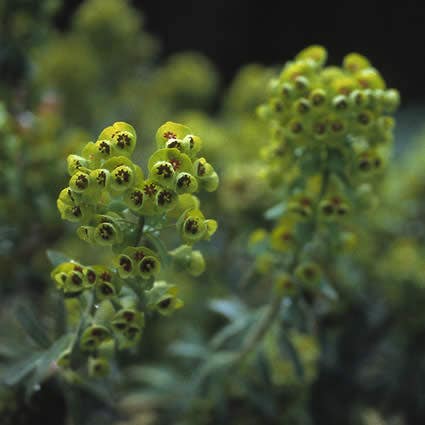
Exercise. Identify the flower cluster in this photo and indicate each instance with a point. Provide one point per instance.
(331, 135)
(328, 113)
(116, 205)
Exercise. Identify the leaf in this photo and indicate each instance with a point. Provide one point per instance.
(328, 291)
(231, 309)
(230, 331)
(57, 257)
(216, 362)
(104, 312)
(117, 206)
(262, 367)
(60, 315)
(17, 371)
(189, 350)
(157, 377)
(288, 349)
(32, 327)
(45, 362)
(159, 247)
(276, 211)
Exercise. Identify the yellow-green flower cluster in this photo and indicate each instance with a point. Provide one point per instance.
(328, 113)
(104, 177)
(331, 133)
(117, 205)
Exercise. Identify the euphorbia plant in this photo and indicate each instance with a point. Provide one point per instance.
(117, 206)
(331, 137)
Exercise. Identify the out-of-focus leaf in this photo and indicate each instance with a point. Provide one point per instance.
(230, 331)
(117, 206)
(276, 211)
(288, 349)
(19, 370)
(45, 362)
(32, 327)
(60, 316)
(217, 361)
(56, 257)
(156, 377)
(189, 350)
(328, 291)
(231, 309)
(262, 367)
(215, 364)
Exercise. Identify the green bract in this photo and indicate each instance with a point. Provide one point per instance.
(116, 206)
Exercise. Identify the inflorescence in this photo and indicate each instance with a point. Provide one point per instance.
(331, 136)
(115, 205)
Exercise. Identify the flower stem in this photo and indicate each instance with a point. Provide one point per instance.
(139, 230)
(261, 329)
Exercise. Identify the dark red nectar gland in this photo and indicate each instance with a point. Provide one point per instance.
(170, 135)
(164, 170)
(150, 189)
(175, 163)
(137, 197)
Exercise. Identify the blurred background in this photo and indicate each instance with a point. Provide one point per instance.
(235, 33)
(68, 69)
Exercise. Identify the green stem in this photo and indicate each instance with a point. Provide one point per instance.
(261, 328)
(139, 230)
(325, 181)
(264, 325)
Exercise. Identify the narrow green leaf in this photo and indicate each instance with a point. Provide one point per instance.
(328, 291)
(262, 367)
(32, 327)
(19, 370)
(45, 362)
(230, 331)
(60, 315)
(56, 257)
(189, 350)
(217, 361)
(158, 378)
(288, 349)
(231, 309)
